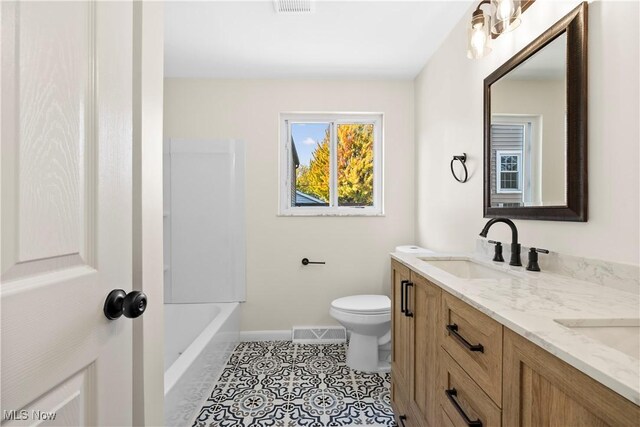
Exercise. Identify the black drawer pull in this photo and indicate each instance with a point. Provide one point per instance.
(453, 330)
(407, 312)
(451, 395)
(402, 285)
(402, 418)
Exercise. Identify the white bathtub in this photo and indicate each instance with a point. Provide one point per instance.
(199, 339)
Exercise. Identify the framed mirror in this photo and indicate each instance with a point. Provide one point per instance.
(535, 127)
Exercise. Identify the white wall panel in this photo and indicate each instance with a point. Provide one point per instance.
(207, 239)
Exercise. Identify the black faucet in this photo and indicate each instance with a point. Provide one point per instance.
(515, 246)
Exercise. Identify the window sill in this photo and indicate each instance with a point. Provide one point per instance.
(335, 213)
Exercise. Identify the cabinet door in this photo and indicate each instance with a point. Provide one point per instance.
(542, 390)
(402, 331)
(426, 305)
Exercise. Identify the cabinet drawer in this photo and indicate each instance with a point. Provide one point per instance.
(462, 401)
(474, 340)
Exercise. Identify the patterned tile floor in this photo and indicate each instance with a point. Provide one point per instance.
(281, 384)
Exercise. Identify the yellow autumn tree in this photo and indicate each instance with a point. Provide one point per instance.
(314, 179)
(355, 167)
(355, 164)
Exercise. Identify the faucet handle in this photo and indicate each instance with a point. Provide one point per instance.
(533, 258)
(498, 253)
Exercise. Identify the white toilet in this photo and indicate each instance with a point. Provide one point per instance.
(368, 318)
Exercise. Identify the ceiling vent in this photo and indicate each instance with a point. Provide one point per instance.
(294, 6)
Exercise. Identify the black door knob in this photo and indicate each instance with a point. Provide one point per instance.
(131, 304)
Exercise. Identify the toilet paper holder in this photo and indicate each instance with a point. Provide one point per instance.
(305, 261)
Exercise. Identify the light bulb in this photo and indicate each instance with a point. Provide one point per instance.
(505, 9)
(507, 16)
(478, 40)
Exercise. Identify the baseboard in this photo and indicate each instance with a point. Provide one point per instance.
(282, 335)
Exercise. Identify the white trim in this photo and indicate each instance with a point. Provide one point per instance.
(334, 119)
(276, 335)
(499, 154)
(333, 165)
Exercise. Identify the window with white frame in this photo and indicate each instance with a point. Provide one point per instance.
(509, 176)
(331, 164)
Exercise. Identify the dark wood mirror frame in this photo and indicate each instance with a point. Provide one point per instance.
(575, 26)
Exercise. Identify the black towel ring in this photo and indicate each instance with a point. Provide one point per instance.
(462, 160)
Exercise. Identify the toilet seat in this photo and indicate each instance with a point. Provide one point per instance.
(366, 305)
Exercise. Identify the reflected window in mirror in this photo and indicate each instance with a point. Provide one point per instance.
(513, 137)
(510, 173)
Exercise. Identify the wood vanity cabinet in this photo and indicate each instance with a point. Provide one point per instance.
(542, 390)
(415, 306)
(455, 366)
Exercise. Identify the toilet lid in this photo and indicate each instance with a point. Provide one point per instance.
(365, 304)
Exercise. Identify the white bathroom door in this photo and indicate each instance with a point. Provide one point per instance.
(66, 128)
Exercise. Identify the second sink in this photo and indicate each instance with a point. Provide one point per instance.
(621, 334)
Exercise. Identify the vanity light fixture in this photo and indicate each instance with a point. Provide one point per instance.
(503, 16)
(478, 33)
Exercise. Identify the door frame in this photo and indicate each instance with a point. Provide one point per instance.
(148, 263)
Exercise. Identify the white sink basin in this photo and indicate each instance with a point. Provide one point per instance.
(620, 334)
(465, 269)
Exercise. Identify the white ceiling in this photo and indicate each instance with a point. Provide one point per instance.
(341, 39)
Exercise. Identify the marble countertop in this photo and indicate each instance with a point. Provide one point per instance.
(530, 302)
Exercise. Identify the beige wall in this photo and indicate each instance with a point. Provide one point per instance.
(280, 292)
(449, 121)
(544, 98)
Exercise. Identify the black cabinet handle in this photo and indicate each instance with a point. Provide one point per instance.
(453, 330)
(407, 312)
(402, 285)
(451, 395)
(402, 418)
(305, 261)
